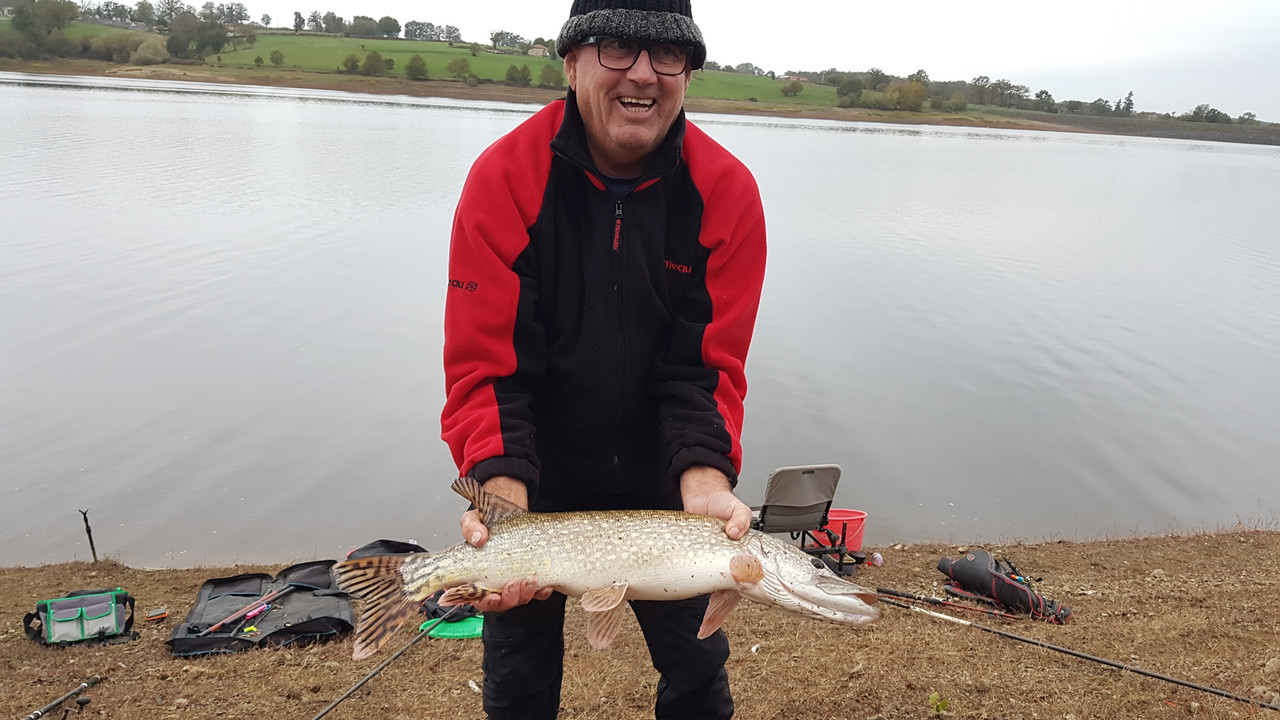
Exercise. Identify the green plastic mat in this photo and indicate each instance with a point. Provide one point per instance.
(461, 630)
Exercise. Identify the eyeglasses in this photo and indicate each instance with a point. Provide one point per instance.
(666, 58)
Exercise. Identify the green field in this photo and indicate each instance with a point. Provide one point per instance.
(76, 30)
(325, 53)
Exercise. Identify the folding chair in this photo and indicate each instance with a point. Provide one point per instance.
(796, 501)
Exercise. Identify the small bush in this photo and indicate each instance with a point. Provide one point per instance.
(416, 68)
(550, 77)
(459, 67)
(150, 52)
(351, 63)
(116, 47)
(277, 58)
(258, 61)
(851, 87)
(373, 64)
(519, 76)
(14, 45)
(959, 102)
(60, 45)
(792, 88)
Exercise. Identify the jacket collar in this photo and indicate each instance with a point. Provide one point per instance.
(571, 143)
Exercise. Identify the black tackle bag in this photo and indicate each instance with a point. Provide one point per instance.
(978, 575)
(299, 605)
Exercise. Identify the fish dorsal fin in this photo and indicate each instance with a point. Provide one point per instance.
(492, 507)
(603, 626)
(606, 598)
(718, 608)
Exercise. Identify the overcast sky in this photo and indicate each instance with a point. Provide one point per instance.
(1173, 54)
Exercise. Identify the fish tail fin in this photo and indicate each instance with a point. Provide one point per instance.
(377, 581)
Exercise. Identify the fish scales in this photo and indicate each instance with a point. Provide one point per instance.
(603, 557)
(662, 554)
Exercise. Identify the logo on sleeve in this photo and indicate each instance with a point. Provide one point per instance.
(467, 285)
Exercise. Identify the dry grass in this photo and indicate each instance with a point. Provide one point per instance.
(1194, 607)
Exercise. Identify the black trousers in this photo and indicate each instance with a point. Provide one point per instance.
(524, 660)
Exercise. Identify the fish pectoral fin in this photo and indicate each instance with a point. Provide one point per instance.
(606, 598)
(718, 608)
(603, 625)
(376, 580)
(492, 507)
(746, 568)
(463, 594)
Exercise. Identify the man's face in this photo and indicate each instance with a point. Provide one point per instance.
(627, 112)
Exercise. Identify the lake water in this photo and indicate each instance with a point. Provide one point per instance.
(220, 323)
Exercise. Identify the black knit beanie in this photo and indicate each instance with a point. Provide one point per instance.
(648, 20)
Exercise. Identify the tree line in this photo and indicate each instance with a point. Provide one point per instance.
(874, 88)
(190, 34)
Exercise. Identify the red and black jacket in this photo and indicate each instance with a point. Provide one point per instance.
(594, 345)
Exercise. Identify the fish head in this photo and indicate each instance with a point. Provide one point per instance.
(794, 582)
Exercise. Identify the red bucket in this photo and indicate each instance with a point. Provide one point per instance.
(847, 524)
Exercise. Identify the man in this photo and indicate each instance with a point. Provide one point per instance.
(605, 271)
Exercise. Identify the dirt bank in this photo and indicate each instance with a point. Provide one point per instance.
(1197, 607)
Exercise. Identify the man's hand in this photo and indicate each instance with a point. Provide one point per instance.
(706, 491)
(476, 533)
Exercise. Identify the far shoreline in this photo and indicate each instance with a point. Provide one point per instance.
(308, 79)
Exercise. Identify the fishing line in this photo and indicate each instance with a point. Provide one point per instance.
(1083, 656)
(945, 603)
(387, 662)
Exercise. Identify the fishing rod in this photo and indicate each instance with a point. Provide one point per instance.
(1084, 656)
(945, 603)
(245, 610)
(425, 630)
(54, 705)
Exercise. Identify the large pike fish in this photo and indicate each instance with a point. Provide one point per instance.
(603, 557)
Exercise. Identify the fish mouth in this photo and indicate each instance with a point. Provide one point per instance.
(830, 599)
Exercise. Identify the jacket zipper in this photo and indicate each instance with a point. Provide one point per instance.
(617, 226)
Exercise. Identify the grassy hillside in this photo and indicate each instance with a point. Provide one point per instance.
(315, 60)
(76, 30)
(326, 53)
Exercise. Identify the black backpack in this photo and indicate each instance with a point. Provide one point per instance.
(980, 576)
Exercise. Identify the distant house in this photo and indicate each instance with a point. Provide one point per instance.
(538, 51)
